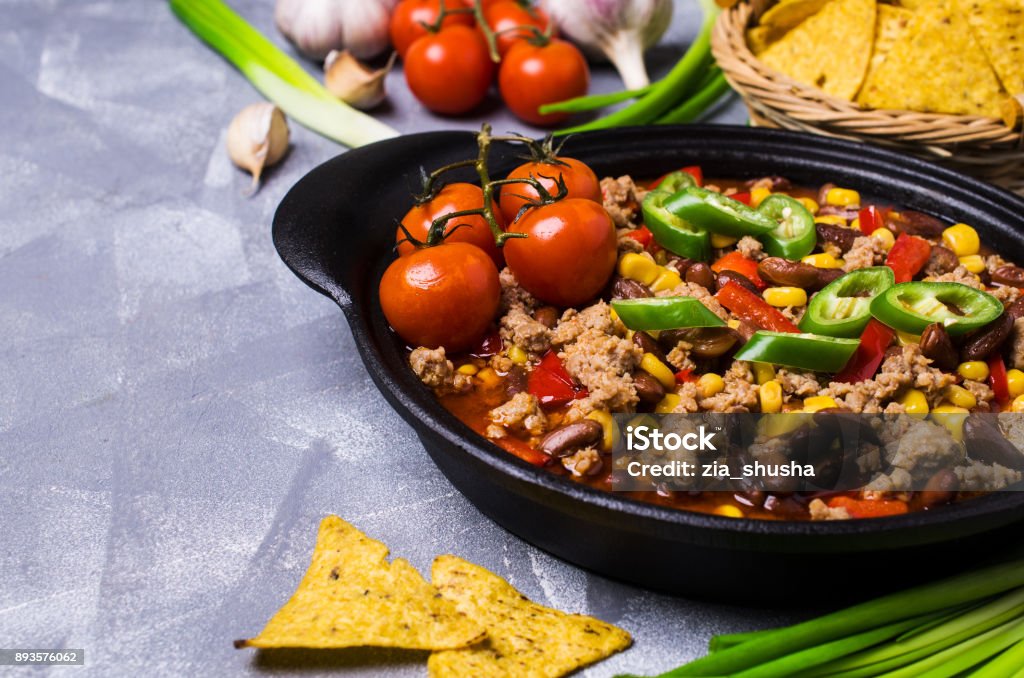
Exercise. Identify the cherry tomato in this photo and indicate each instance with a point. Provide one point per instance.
(450, 71)
(505, 15)
(472, 229)
(569, 252)
(406, 26)
(580, 181)
(445, 295)
(533, 75)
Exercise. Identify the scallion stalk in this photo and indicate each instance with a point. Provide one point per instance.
(963, 656)
(692, 108)
(592, 102)
(1010, 664)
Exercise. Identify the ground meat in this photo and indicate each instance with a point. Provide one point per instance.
(699, 292)
(622, 198)
(679, 356)
(980, 390)
(797, 384)
(741, 390)
(923, 447)
(603, 364)
(832, 248)
(520, 329)
(981, 477)
(688, 394)
(958, 275)
(905, 368)
(437, 372)
(586, 462)
(574, 323)
(794, 313)
(751, 248)
(822, 511)
(1017, 345)
(994, 262)
(626, 243)
(1005, 294)
(866, 251)
(522, 413)
(514, 296)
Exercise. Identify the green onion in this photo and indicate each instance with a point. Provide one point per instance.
(278, 76)
(591, 102)
(954, 660)
(692, 108)
(1009, 664)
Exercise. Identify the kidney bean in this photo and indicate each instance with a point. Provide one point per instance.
(937, 346)
(823, 193)
(786, 273)
(624, 288)
(563, 440)
(546, 316)
(985, 442)
(1016, 309)
(843, 423)
(705, 342)
(725, 277)
(837, 211)
(942, 260)
(1012, 276)
(516, 380)
(914, 223)
(837, 235)
(647, 344)
(771, 182)
(648, 388)
(941, 488)
(681, 264)
(701, 274)
(988, 339)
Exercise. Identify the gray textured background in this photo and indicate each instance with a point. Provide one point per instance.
(177, 411)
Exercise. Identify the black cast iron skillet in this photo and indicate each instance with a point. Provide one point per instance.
(335, 229)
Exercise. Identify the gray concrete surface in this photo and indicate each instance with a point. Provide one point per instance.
(177, 411)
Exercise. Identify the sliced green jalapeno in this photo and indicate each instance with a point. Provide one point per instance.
(843, 307)
(913, 306)
(676, 181)
(664, 313)
(795, 236)
(718, 213)
(802, 351)
(675, 234)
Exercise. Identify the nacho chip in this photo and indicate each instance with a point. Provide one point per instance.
(1013, 110)
(890, 27)
(830, 50)
(789, 14)
(523, 638)
(350, 597)
(998, 26)
(936, 67)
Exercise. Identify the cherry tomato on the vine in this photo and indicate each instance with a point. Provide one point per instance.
(450, 71)
(580, 181)
(569, 252)
(446, 295)
(532, 75)
(504, 16)
(409, 17)
(471, 229)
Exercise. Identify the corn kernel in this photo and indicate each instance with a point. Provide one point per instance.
(842, 197)
(907, 338)
(975, 370)
(638, 267)
(770, 395)
(668, 404)
(959, 396)
(811, 204)
(468, 368)
(777, 425)
(710, 384)
(973, 263)
(613, 315)
(666, 280)
(488, 376)
(914, 402)
(1018, 404)
(952, 417)
(517, 355)
(884, 236)
(609, 427)
(719, 241)
(833, 219)
(733, 323)
(823, 260)
(1015, 382)
(855, 224)
(785, 296)
(962, 239)
(817, 403)
(758, 195)
(729, 511)
(763, 372)
(659, 370)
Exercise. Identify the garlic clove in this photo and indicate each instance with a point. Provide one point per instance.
(354, 82)
(257, 138)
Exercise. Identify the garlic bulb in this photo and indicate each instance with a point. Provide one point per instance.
(619, 29)
(257, 138)
(353, 82)
(318, 26)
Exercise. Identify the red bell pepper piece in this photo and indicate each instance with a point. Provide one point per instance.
(693, 170)
(908, 256)
(522, 449)
(997, 379)
(642, 235)
(744, 198)
(734, 261)
(685, 376)
(874, 340)
(872, 218)
(869, 508)
(552, 384)
(753, 309)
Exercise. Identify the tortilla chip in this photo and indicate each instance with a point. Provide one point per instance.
(1013, 110)
(523, 638)
(890, 28)
(936, 67)
(759, 38)
(351, 597)
(789, 14)
(999, 29)
(830, 50)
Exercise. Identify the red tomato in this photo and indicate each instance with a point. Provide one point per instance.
(450, 71)
(407, 21)
(532, 75)
(504, 16)
(441, 296)
(580, 181)
(472, 229)
(569, 252)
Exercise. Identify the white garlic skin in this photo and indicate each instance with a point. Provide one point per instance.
(316, 27)
(258, 137)
(355, 83)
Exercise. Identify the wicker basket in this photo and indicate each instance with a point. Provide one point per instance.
(984, 147)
